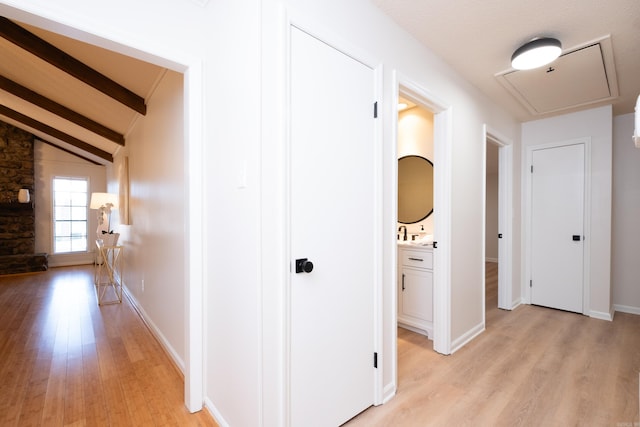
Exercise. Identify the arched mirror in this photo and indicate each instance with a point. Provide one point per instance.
(415, 189)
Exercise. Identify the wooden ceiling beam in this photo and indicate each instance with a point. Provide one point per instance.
(44, 141)
(55, 133)
(65, 62)
(60, 110)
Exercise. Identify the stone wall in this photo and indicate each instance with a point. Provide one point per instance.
(17, 220)
(16, 162)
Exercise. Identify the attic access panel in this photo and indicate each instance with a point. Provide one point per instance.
(575, 79)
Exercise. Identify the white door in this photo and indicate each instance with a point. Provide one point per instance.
(557, 227)
(332, 184)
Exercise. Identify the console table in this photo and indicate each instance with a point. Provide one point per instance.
(109, 266)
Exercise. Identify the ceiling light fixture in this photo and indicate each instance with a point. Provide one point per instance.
(536, 53)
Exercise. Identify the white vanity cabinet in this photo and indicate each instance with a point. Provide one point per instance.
(415, 288)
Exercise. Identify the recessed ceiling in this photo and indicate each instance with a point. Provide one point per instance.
(477, 39)
(580, 77)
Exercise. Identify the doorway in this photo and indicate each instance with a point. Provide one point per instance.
(193, 151)
(415, 217)
(492, 230)
(557, 226)
(498, 213)
(442, 137)
(561, 258)
(333, 285)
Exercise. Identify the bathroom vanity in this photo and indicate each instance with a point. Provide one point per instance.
(415, 288)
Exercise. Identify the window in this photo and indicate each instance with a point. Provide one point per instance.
(70, 208)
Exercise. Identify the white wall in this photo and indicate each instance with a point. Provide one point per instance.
(50, 162)
(154, 240)
(235, 332)
(626, 209)
(597, 125)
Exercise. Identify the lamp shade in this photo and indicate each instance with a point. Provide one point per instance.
(536, 53)
(99, 200)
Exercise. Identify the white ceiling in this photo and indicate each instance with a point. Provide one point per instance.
(477, 38)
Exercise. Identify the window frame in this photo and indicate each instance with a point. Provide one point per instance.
(53, 214)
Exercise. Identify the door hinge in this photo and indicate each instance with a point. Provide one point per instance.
(531, 283)
(531, 168)
(375, 360)
(375, 110)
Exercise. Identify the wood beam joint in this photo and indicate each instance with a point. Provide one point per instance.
(55, 133)
(60, 110)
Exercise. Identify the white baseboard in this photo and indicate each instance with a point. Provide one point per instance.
(626, 309)
(389, 392)
(460, 342)
(70, 259)
(418, 329)
(602, 315)
(217, 416)
(155, 331)
(516, 303)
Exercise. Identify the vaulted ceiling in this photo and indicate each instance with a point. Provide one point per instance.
(75, 96)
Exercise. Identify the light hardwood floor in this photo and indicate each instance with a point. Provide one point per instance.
(532, 366)
(64, 361)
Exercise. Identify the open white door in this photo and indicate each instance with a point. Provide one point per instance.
(333, 226)
(505, 217)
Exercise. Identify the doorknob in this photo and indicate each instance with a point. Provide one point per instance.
(303, 265)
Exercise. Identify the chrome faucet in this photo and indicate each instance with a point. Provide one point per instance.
(405, 231)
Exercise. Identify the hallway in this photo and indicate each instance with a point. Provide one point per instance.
(532, 366)
(65, 361)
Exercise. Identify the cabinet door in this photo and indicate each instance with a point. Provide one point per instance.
(416, 297)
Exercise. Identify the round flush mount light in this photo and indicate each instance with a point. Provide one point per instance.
(536, 53)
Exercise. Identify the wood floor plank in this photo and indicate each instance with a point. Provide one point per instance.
(533, 366)
(95, 410)
(65, 361)
(53, 408)
(74, 401)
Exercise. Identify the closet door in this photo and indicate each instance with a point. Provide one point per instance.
(557, 227)
(332, 184)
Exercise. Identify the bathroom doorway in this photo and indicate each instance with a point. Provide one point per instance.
(441, 220)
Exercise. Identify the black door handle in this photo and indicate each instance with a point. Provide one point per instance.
(435, 245)
(499, 235)
(576, 238)
(303, 265)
